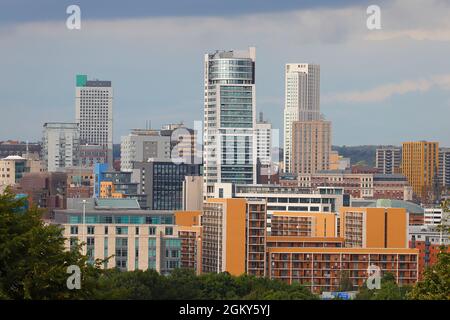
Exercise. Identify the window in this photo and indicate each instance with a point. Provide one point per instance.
(90, 230)
(137, 231)
(169, 231)
(121, 230)
(152, 231)
(73, 229)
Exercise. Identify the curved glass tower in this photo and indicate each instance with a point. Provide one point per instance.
(229, 118)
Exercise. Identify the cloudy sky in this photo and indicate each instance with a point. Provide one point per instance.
(377, 87)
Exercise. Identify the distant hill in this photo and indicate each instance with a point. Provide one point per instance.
(357, 154)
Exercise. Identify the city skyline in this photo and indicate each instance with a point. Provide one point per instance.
(369, 73)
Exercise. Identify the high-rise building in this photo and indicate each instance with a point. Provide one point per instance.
(420, 163)
(302, 101)
(61, 143)
(388, 160)
(94, 112)
(263, 132)
(229, 118)
(444, 167)
(142, 145)
(311, 146)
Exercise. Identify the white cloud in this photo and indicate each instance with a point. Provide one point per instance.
(386, 91)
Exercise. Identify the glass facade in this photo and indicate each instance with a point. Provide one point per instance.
(121, 253)
(172, 256)
(168, 180)
(123, 219)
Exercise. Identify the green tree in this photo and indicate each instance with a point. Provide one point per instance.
(345, 283)
(33, 261)
(389, 290)
(435, 284)
(436, 280)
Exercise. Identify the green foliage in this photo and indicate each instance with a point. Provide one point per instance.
(436, 280)
(33, 262)
(184, 284)
(33, 265)
(363, 155)
(345, 283)
(389, 290)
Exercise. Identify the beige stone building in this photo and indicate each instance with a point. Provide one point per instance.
(311, 146)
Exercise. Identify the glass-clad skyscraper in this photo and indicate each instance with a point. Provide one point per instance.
(229, 118)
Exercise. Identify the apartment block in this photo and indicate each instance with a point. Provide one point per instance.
(320, 269)
(374, 227)
(303, 224)
(256, 237)
(388, 160)
(420, 165)
(224, 236)
(61, 145)
(428, 240)
(444, 168)
(190, 233)
(311, 146)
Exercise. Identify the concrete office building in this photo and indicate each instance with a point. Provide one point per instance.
(229, 118)
(61, 145)
(302, 101)
(94, 113)
(142, 145)
(388, 160)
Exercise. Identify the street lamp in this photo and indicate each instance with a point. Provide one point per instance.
(84, 223)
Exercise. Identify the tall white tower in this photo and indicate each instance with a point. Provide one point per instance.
(94, 113)
(302, 101)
